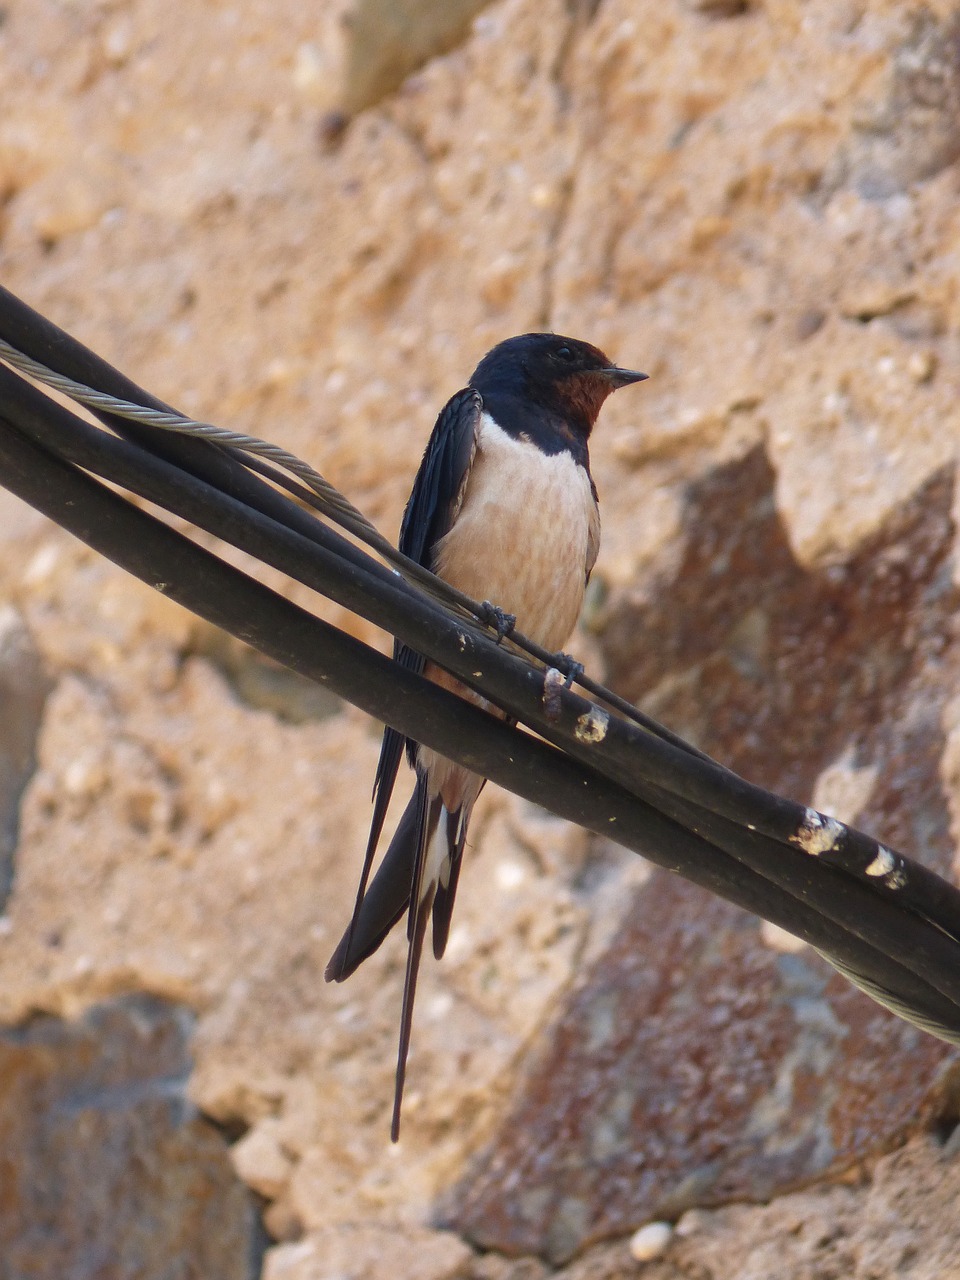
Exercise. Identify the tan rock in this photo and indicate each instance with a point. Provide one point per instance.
(107, 1167)
(878, 432)
(363, 49)
(23, 691)
(753, 208)
(261, 1161)
(370, 1253)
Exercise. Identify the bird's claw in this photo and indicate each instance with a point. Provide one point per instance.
(557, 680)
(502, 623)
(570, 667)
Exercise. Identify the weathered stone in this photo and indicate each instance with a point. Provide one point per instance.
(106, 1167)
(913, 134)
(889, 1227)
(361, 50)
(370, 1253)
(782, 672)
(387, 39)
(260, 1160)
(23, 691)
(694, 1066)
(701, 196)
(719, 8)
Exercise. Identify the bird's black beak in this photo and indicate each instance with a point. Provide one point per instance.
(623, 377)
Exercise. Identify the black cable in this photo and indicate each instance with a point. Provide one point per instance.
(42, 340)
(628, 757)
(94, 516)
(709, 785)
(227, 468)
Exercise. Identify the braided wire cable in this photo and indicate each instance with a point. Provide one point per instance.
(888, 924)
(334, 504)
(325, 497)
(697, 797)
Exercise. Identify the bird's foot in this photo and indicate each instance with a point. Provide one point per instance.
(557, 680)
(493, 616)
(571, 668)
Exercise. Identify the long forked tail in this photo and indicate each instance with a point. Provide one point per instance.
(431, 854)
(419, 871)
(385, 900)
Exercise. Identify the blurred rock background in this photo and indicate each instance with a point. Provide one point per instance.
(308, 222)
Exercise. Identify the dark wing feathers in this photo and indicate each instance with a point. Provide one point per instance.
(439, 484)
(430, 511)
(433, 504)
(384, 902)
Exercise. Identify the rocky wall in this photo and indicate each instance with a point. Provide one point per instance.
(754, 202)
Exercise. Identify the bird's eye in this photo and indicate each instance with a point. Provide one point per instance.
(564, 353)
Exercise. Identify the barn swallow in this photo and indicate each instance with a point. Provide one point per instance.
(505, 509)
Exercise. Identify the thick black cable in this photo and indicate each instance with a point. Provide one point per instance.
(469, 653)
(96, 515)
(42, 340)
(223, 466)
(710, 786)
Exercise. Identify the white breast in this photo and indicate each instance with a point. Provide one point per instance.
(526, 534)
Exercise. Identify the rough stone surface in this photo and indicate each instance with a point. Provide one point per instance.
(887, 1228)
(370, 1252)
(787, 673)
(695, 1065)
(106, 1166)
(23, 691)
(756, 203)
(362, 50)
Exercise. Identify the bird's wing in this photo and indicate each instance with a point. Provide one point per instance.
(432, 507)
(438, 489)
(385, 901)
(593, 533)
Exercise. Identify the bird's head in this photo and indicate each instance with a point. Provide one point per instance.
(568, 377)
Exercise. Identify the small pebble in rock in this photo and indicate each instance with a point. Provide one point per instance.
(650, 1241)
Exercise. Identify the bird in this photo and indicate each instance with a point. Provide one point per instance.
(505, 509)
